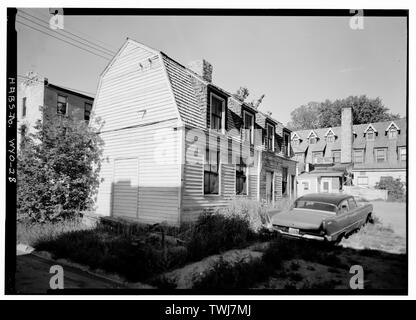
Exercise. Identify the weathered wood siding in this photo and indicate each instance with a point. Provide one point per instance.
(136, 104)
(194, 201)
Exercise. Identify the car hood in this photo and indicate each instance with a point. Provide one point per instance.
(301, 219)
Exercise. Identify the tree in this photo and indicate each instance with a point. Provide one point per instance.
(58, 169)
(242, 93)
(305, 117)
(395, 187)
(328, 113)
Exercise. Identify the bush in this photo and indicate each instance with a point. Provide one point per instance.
(214, 233)
(395, 187)
(32, 233)
(254, 212)
(57, 170)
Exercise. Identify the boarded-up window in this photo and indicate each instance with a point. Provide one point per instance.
(402, 154)
(248, 133)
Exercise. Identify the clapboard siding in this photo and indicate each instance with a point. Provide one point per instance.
(140, 117)
(194, 201)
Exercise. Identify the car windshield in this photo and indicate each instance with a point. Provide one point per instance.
(315, 205)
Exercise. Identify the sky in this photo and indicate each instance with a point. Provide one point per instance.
(292, 60)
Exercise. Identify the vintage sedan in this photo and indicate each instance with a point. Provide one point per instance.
(322, 216)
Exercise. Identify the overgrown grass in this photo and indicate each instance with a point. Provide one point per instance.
(227, 275)
(32, 233)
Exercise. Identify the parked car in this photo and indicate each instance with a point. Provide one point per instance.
(322, 216)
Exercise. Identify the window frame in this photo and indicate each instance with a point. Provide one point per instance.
(285, 181)
(391, 130)
(304, 183)
(58, 102)
(360, 178)
(243, 173)
(269, 125)
(373, 135)
(217, 173)
(354, 155)
(339, 156)
(376, 150)
(222, 129)
(85, 110)
(245, 112)
(286, 145)
(400, 154)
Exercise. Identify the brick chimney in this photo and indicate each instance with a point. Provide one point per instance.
(202, 68)
(346, 134)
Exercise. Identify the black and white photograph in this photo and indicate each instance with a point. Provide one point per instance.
(207, 151)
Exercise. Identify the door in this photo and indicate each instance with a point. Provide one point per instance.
(125, 187)
(269, 186)
(326, 185)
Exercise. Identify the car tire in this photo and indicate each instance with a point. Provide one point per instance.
(369, 218)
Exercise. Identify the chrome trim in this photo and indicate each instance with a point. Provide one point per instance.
(305, 236)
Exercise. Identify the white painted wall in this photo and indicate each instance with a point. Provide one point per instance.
(372, 177)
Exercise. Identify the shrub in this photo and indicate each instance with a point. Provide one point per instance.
(57, 170)
(254, 212)
(214, 233)
(395, 187)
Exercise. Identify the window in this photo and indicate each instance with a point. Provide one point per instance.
(241, 177)
(370, 135)
(24, 107)
(352, 204)
(211, 171)
(344, 208)
(305, 185)
(316, 157)
(287, 144)
(392, 133)
(296, 142)
(270, 137)
(312, 140)
(284, 181)
(330, 137)
(217, 112)
(336, 155)
(248, 127)
(362, 181)
(62, 104)
(87, 111)
(358, 156)
(402, 154)
(381, 155)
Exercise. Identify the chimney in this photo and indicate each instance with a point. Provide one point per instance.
(346, 134)
(202, 68)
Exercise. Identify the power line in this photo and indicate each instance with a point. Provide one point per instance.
(47, 28)
(68, 42)
(69, 88)
(110, 52)
(115, 49)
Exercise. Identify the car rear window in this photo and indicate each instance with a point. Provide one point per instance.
(315, 205)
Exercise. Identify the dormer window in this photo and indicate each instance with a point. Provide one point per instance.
(392, 130)
(248, 133)
(217, 121)
(270, 137)
(370, 133)
(296, 141)
(330, 136)
(312, 137)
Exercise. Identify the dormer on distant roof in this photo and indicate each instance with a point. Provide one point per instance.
(296, 139)
(330, 135)
(370, 132)
(392, 130)
(312, 137)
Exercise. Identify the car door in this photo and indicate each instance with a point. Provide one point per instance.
(356, 213)
(343, 217)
